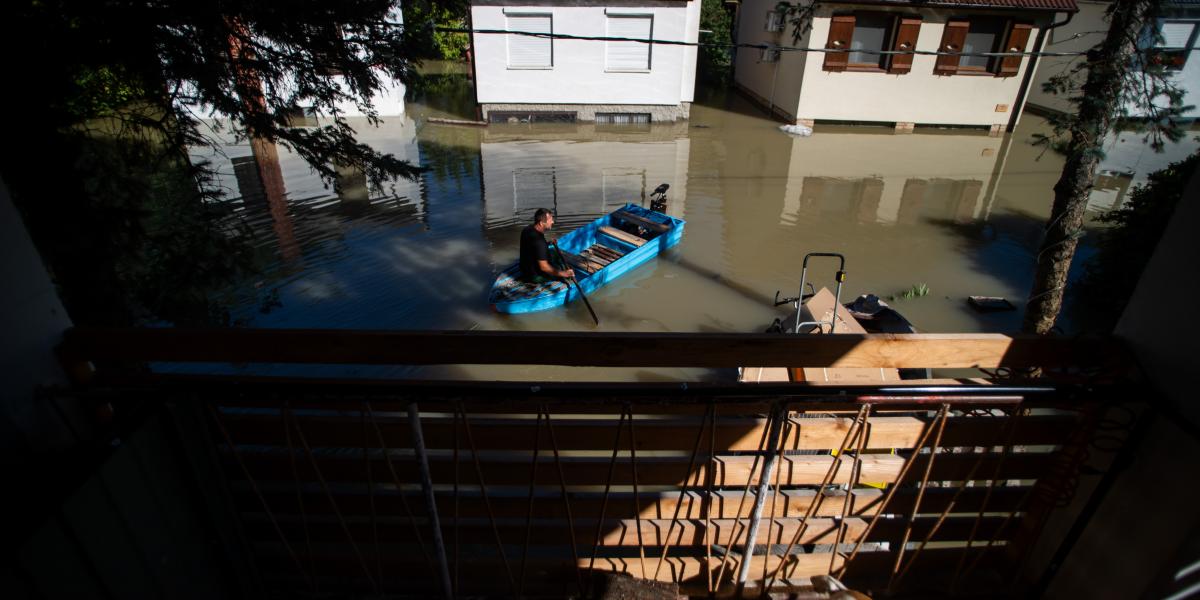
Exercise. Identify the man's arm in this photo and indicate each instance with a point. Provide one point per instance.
(544, 266)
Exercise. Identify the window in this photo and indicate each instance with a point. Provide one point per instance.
(527, 51)
(1174, 44)
(982, 36)
(979, 35)
(870, 36)
(629, 56)
(775, 21)
(768, 55)
(859, 38)
(622, 118)
(536, 116)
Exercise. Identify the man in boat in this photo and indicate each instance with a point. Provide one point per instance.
(535, 252)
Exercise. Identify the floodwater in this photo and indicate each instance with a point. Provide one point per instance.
(957, 211)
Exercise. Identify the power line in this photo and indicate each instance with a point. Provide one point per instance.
(601, 38)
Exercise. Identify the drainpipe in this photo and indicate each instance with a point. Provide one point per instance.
(1019, 105)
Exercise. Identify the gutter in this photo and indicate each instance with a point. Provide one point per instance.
(1019, 105)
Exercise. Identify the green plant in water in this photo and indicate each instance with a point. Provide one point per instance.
(916, 291)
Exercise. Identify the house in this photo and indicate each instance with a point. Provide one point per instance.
(531, 78)
(1128, 159)
(861, 85)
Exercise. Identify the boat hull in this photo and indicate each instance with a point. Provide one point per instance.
(576, 242)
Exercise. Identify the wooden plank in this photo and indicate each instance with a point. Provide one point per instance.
(596, 258)
(647, 223)
(727, 504)
(328, 346)
(607, 252)
(509, 469)
(621, 532)
(628, 238)
(403, 563)
(512, 432)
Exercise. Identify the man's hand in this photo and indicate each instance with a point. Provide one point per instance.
(567, 273)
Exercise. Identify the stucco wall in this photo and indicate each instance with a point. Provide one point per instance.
(578, 74)
(1087, 29)
(804, 90)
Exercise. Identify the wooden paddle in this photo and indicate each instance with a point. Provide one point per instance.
(563, 260)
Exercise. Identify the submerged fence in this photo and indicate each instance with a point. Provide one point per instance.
(533, 489)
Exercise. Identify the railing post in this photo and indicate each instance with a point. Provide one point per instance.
(414, 421)
(764, 484)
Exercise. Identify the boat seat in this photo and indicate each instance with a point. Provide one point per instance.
(628, 238)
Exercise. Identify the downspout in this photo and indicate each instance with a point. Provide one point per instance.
(1019, 105)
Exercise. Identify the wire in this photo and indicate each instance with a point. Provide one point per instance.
(601, 38)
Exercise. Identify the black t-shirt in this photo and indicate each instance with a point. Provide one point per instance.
(533, 249)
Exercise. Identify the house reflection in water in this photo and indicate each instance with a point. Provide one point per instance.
(919, 177)
(579, 170)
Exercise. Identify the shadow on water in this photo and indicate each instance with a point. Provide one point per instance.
(1005, 247)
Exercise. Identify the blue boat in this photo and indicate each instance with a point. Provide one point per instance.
(599, 252)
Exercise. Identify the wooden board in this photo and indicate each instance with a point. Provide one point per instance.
(623, 236)
(331, 346)
(823, 306)
(581, 473)
(726, 504)
(623, 532)
(518, 432)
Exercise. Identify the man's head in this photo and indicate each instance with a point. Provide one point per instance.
(543, 219)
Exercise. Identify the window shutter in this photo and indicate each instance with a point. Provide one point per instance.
(526, 50)
(841, 31)
(952, 41)
(1017, 38)
(628, 56)
(1175, 35)
(906, 40)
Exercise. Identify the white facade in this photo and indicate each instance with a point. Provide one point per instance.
(525, 74)
(1181, 29)
(798, 87)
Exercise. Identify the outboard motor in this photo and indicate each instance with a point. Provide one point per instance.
(658, 198)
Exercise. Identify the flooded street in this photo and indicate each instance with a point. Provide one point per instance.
(958, 211)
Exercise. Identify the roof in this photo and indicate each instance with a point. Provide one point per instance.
(1052, 5)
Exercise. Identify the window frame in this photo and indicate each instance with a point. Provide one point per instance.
(1009, 28)
(608, 16)
(889, 39)
(993, 62)
(1184, 52)
(508, 42)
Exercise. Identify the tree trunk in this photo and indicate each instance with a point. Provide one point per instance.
(1098, 107)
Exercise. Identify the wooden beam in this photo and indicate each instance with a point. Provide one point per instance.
(584, 472)
(628, 238)
(620, 532)
(324, 346)
(509, 432)
(791, 503)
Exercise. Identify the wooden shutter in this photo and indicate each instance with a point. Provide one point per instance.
(906, 40)
(841, 31)
(1017, 38)
(953, 39)
(525, 50)
(628, 56)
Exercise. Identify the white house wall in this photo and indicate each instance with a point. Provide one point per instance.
(578, 74)
(804, 91)
(1086, 30)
